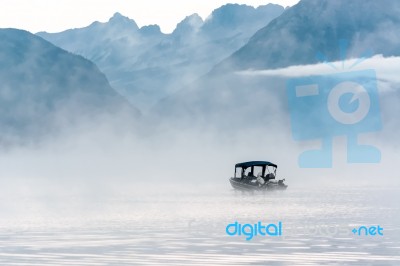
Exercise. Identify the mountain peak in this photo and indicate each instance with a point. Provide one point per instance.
(117, 15)
(233, 19)
(189, 24)
(149, 30)
(194, 20)
(120, 20)
(229, 13)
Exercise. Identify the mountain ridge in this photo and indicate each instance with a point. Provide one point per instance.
(46, 89)
(145, 65)
(314, 26)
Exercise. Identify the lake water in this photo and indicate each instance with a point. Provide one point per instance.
(186, 226)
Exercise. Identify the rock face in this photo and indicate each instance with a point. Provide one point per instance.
(146, 65)
(44, 87)
(224, 97)
(314, 26)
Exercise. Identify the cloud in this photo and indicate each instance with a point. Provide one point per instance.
(386, 68)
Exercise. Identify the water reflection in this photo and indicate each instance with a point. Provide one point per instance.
(188, 227)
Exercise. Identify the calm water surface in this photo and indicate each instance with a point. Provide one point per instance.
(187, 227)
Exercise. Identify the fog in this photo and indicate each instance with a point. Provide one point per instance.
(109, 189)
(145, 65)
(107, 154)
(88, 179)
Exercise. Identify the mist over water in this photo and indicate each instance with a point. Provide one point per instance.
(101, 198)
(172, 224)
(156, 191)
(88, 179)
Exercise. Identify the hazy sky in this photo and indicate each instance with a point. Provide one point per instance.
(54, 16)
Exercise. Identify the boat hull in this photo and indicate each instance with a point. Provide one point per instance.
(242, 184)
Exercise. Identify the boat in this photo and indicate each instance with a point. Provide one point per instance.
(265, 179)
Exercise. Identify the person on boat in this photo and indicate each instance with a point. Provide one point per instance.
(250, 175)
(260, 179)
(269, 176)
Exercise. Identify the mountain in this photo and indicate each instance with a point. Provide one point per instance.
(146, 65)
(230, 98)
(232, 19)
(317, 26)
(45, 89)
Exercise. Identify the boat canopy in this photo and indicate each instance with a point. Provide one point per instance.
(255, 163)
